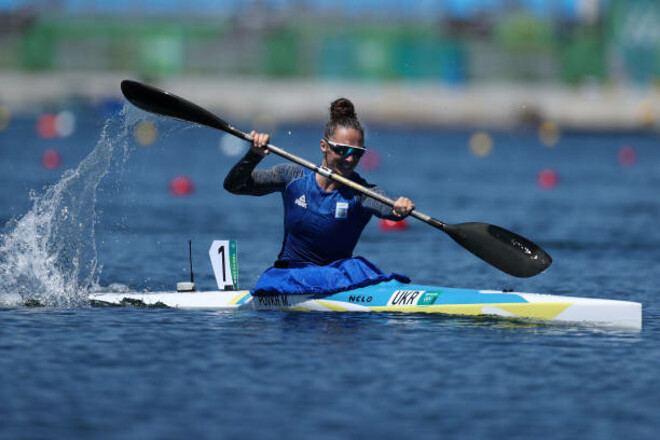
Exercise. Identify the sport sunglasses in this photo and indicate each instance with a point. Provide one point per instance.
(346, 150)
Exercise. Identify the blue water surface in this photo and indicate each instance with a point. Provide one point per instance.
(73, 371)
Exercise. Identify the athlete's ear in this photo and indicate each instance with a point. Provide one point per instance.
(324, 146)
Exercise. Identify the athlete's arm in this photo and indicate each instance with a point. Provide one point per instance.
(244, 179)
(403, 206)
(240, 179)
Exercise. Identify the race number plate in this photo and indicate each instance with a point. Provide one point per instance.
(225, 263)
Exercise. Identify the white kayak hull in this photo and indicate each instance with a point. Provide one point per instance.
(408, 298)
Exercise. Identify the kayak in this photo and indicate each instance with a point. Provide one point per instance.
(393, 296)
(389, 296)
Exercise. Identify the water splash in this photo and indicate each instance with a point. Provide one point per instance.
(49, 254)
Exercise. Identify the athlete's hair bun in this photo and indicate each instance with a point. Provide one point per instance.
(342, 109)
(342, 114)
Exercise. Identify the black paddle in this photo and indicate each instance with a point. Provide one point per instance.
(503, 249)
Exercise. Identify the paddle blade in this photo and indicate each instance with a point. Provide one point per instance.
(506, 250)
(160, 102)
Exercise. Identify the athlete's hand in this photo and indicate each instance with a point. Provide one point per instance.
(403, 206)
(259, 142)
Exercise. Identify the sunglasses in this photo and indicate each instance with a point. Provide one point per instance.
(346, 150)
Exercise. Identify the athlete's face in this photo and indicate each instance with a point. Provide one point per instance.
(341, 165)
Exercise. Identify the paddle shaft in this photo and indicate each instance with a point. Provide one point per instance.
(327, 172)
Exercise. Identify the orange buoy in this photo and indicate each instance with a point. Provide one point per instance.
(46, 126)
(481, 144)
(145, 133)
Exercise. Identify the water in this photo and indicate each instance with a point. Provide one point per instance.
(74, 371)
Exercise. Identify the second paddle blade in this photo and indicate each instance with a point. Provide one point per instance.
(506, 250)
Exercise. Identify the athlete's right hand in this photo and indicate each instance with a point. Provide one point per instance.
(259, 142)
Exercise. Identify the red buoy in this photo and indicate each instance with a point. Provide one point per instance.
(627, 156)
(181, 186)
(548, 179)
(391, 225)
(51, 159)
(370, 161)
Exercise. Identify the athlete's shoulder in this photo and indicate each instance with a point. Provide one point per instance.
(355, 177)
(362, 198)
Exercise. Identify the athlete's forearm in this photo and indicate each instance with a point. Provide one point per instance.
(379, 209)
(239, 179)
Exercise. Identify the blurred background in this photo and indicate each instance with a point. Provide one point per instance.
(579, 63)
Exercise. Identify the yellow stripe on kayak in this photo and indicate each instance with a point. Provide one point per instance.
(536, 311)
(544, 311)
(332, 306)
(238, 297)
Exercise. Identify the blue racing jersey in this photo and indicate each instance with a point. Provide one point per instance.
(319, 226)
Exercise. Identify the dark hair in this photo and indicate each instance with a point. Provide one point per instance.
(342, 114)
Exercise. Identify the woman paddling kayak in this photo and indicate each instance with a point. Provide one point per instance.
(323, 219)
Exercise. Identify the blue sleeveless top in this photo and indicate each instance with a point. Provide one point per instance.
(320, 226)
(321, 229)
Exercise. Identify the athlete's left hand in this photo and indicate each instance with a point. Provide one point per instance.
(403, 206)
